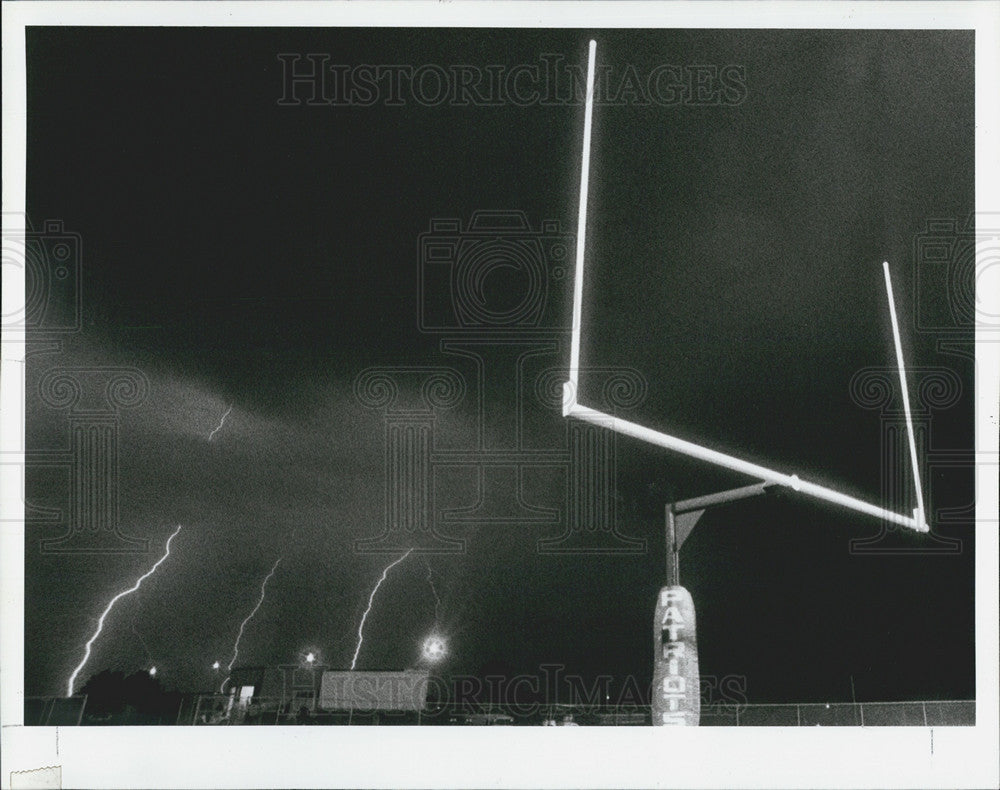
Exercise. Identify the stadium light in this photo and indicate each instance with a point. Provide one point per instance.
(434, 648)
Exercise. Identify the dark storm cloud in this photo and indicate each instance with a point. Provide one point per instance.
(303, 487)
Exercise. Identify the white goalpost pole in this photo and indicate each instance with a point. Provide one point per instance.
(571, 407)
(918, 513)
(693, 450)
(581, 226)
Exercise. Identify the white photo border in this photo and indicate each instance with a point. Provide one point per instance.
(410, 757)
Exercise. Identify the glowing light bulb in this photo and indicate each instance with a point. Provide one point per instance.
(434, 648)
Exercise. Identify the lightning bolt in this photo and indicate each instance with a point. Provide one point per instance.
(361, 627)
(437, 598)
(249, 617)
(221, 423)
(110, 606)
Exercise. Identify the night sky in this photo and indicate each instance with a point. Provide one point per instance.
(244, 253)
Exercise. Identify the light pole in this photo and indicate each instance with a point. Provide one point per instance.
(433, 651)
(311, 663)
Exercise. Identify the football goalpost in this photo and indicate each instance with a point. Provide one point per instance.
(573, 408)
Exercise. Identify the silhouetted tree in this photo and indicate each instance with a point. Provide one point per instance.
(116, 698)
